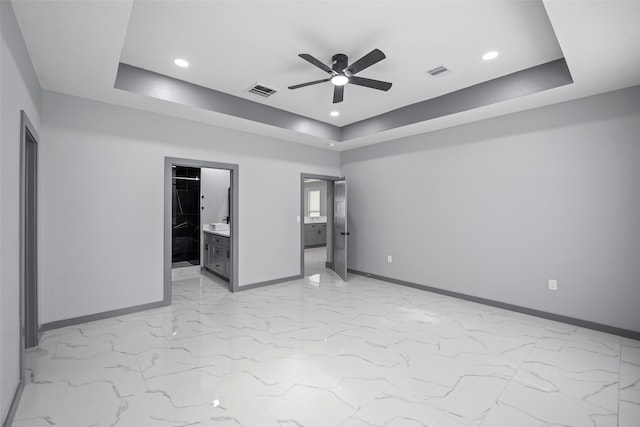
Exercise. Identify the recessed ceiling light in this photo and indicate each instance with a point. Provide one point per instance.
(332, 144)
(334, 113)
(340, 80)
(490, 55)
(181, 63)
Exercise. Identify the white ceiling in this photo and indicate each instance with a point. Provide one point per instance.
(76, 47)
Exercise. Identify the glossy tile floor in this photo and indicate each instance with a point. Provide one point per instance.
(320, 352)
(315, 260)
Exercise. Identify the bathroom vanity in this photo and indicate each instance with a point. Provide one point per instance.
(315, 234)
(217, 252)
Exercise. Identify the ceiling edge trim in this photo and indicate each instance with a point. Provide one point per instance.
(521, 83)
(159, 86)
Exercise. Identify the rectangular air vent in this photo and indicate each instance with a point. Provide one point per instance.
(439, 71)
(261, 90)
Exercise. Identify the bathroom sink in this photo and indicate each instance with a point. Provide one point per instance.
(219, 226)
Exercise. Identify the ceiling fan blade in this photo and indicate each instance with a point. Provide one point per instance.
(315, 82)
(338, 94)
(373, 84)
(317, 63)
(366, 61)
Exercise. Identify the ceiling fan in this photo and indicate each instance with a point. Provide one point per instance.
(342, 73)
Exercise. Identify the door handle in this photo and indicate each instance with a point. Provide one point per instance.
(343, 234)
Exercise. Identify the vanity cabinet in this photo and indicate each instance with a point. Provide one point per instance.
(217, 254)
(315, 234)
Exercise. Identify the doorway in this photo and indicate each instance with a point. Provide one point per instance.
(317, 231)
(319, 223)
(30, 328)
(201, 221)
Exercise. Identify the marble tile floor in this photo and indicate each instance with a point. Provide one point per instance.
(315, 260)
(321, 352)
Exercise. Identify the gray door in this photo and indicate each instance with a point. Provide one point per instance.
(340, 232)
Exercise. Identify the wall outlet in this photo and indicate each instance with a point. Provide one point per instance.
(389, 259)
(553, 285)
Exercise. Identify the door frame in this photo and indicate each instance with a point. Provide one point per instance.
(327, 178)
(234, 171)
(29, 327)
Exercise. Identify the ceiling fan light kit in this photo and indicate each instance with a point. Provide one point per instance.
(339, 80)
(341, 73)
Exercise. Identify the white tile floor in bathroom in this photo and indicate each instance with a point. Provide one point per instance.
(320, 352)
(315, 260)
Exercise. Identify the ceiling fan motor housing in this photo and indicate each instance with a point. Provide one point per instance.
(340, 63)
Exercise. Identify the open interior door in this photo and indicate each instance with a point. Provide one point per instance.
(340, 232)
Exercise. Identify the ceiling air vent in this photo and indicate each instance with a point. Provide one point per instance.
(439, 71)
(261, 90)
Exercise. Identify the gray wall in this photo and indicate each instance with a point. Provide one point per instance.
(316, 185)
(19, 90)
(496, 208)
(96, 158)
